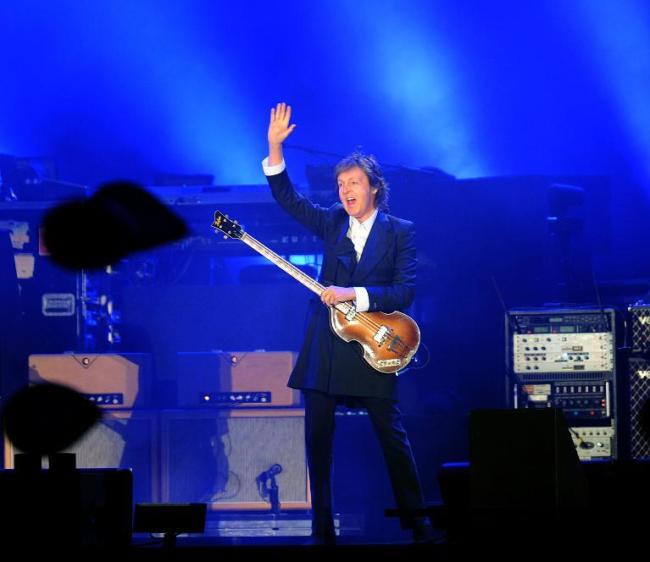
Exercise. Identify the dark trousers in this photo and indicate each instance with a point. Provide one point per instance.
(319, 437)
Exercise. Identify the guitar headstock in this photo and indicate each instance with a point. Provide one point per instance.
(227, 226)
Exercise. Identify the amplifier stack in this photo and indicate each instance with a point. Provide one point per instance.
(127, 434)
(232, 420)
(638, 381)
(236, 420)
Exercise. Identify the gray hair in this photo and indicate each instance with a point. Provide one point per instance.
(369, 165)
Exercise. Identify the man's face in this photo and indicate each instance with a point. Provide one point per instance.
(356, 194)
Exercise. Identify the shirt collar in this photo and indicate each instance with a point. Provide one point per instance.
(366, 225)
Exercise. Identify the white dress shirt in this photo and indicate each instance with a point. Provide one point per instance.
(358, 232)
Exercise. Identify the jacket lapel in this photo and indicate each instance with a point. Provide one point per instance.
(374, 250)
(344, 248)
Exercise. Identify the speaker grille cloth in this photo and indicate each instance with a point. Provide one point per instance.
(639, 396)
(640, 326)
(125, 441)
(217, 460)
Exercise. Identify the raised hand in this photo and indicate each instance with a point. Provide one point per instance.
(279, 127)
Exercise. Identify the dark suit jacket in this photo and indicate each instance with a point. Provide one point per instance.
(387, 271)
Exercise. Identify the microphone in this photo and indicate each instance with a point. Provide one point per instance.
(272, 471)
(268, 488)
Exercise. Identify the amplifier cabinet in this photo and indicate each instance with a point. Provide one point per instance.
(639, 326)
(243, 378)
(639, 405)
(216, 456)
(126, 439)
(109, 380)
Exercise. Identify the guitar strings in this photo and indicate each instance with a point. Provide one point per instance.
(364, 319)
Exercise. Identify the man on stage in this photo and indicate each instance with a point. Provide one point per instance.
(369, 258)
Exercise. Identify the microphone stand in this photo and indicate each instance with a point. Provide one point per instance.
(274, 498)
(272, 492)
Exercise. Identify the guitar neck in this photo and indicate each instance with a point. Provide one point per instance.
(283, 264)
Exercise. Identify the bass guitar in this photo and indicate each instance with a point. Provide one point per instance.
(389, 340)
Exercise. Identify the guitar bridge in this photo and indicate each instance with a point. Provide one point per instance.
(395, 344)
(381, 335)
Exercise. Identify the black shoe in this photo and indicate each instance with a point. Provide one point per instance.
(423, 532)
(322, 529)
(323, 539)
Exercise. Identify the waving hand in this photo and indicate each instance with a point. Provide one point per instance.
(279, 129)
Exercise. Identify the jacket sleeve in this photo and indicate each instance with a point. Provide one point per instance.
(312, 216)
(399, 293)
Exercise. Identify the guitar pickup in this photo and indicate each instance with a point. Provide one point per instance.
(380, 335)
(351, 314)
